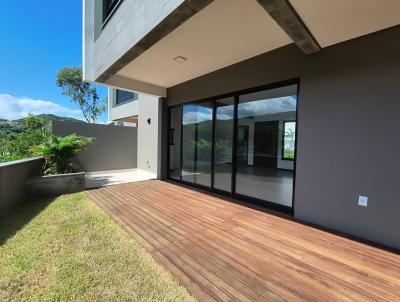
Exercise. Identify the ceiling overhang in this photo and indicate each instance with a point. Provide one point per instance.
(223, 33)
(208, 35)
(181, 14)
(333, 22)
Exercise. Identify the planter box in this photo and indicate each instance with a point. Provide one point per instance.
(55, 184)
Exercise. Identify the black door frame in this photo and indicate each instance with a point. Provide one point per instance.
(235, 95)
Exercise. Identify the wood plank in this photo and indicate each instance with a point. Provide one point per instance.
(225, 251)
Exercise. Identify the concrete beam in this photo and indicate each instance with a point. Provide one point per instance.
(288, 19)
(136, 86)
(181, 14)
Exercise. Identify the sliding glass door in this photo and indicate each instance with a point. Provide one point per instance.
(189, 126)
(265, 172)
(204, 144)
(223, 143)
(197, 143)
(243, 145)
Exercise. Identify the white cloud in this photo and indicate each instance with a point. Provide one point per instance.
(12, 108)
(196, 114)
(194, 117)
(268, 106)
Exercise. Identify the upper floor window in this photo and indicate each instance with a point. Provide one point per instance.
(123, 96)
(109, 7)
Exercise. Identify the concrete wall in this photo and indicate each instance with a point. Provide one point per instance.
(12, 182)
(149, 134)
(348, 128)
(131, 22)
(114, 147)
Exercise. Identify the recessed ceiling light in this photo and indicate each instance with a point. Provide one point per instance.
(180, 59)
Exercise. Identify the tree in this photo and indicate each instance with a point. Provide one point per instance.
(19, 146)
(83, 94)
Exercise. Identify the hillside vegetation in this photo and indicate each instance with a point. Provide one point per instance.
(50, 117)
(17, 138)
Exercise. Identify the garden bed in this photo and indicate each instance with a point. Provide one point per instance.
(59, 184)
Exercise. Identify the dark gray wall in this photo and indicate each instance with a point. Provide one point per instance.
(12, 182)
(114, 147)
(348, 128)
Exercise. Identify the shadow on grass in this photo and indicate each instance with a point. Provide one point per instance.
(22, 215)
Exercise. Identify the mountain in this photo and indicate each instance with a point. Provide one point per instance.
(51, 117)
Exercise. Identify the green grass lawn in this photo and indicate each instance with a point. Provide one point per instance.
(67, 249)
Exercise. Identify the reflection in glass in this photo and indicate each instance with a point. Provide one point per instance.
(188, 142)
(262, 171)
(203, 144)
(175, 143)
(223, 141)
(263, 151)
(196, 143)
(289, 140)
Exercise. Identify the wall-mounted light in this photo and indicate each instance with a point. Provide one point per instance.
(180, 59)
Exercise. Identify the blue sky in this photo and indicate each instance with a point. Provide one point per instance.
(37, 39)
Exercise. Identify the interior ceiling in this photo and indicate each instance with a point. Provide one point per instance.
(229, 31)
(335, 21)
(224, 33)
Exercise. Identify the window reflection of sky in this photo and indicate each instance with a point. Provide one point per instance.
(193, 113)
(269, 106)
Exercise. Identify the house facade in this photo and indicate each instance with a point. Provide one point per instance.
(287, 104)
(129, 108)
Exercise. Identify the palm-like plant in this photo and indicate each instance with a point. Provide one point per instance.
(59, 151)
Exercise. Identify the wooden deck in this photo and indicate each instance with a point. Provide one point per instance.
(223, 251)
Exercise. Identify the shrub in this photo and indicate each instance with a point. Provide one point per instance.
(59, 152)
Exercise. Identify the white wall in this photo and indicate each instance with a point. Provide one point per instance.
(149, 134)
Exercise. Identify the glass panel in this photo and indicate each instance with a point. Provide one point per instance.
(189, 126)
(175, 143)
(289, 140)
(262, 172)
(125, 96)
(196, 143)
(108, 6)
(223, 144)
(204, 144)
